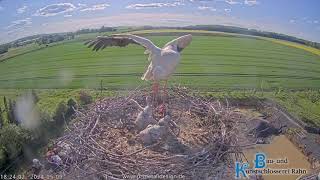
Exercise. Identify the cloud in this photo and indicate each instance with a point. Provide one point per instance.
(232, 2)
(67, 15)
(55, 9)
(153, 5)
(207, 8)
(82, 5)
(160, 19)
(18, 24)
(96, 7)
(22, 9)
(1, 8)
(251, 2)
(292, 21)
(315, 21)
(203, 0)
(227, 10)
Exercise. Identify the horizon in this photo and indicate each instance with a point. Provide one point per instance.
(155, 27)
(300, 19)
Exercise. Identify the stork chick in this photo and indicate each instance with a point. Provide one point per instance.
(154, 133)
(145, 117)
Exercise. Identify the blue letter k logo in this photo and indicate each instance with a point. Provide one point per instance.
(241, 169)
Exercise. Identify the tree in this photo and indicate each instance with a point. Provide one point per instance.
(72, 104)
(9, 109)
(3, 49)
(1, 118)
(12, 139)
(59, 115)
(10, 113)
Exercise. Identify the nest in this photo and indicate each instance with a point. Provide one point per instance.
(101, 140)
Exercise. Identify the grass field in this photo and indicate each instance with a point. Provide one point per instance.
(225, 64)
(210, 62)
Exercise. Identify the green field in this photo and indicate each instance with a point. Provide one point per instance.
(226, 65)
(210, 62)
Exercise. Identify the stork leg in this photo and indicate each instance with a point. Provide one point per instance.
(155, 90)
(165, 91)
(165, 96)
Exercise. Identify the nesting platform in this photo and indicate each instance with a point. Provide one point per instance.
(102, 140)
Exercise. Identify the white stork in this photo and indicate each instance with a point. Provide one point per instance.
(163, 61)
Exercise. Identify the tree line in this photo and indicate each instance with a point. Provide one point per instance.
(253, 32)
(45, 39)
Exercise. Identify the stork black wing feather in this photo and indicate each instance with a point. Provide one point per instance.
(98, 44)
(102, 42)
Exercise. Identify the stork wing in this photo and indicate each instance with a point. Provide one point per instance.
(181, 42)
(102, 42)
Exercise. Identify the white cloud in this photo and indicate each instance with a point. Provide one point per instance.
(96, 7)
(315, 21)
(1, 8)
(67, 15)
(55, 9)
(153, 5)
(204, 0)
(44, 24)
(17, 24)
(232, 2)
(227, 10)
(160, 19)
(292, 21)
(207, 8)
(82, 5)
(251, 2)
(22, 9)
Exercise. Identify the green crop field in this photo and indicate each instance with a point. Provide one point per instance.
(228, 65)
(210, 62)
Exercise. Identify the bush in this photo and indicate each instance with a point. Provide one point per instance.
(85, 98)
(3, 49)
(9, 109)
(3, 157)
(1, 118)
(12, 139)
(45, 130)
(72, 104)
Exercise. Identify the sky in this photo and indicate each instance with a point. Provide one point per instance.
(20, 18)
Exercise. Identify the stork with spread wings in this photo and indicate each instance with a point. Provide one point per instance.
(163, 61)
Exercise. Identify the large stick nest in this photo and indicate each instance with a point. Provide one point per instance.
(100, 142)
